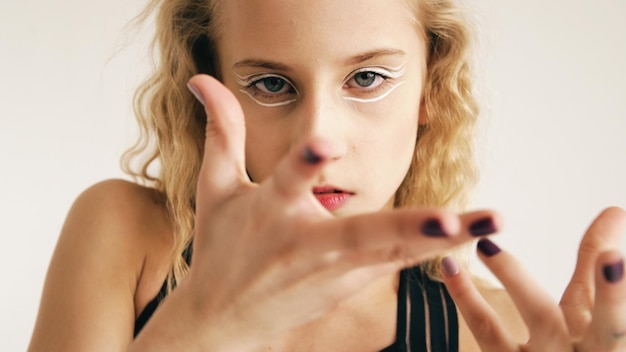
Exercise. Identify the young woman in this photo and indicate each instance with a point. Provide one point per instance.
(306, 152)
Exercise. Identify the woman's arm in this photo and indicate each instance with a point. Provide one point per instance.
(89, 297)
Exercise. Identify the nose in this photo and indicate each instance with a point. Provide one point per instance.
(322, 115)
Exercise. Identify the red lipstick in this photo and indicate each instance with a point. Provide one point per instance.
(330, 197)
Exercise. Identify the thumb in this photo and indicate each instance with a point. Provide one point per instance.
(602, 235)
(223, 162)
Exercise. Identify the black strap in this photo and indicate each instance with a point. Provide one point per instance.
(434, 320)
(428, 300)
(147, 312)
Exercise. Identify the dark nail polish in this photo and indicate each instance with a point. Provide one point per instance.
(482, 227)
(614, 273)
(488, 248)
(311, 157)
(433, 228)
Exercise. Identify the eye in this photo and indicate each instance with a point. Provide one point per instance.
(371, 84)
(272, 85)
(366, 79)
(268, 89)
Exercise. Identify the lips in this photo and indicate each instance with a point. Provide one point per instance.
(331, 198)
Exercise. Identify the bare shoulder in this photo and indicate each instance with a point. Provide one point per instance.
(127, 224)
(128, 217)
(115, 232)
(118, 197)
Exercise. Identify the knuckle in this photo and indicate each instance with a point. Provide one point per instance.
(281, 187)
(396, 252)
(589, 248)
(350, 239)
(579, 294)
(399, 253)
(546, 322)
(483, 326)
(286, 257)
(404, 227)
(402, 257)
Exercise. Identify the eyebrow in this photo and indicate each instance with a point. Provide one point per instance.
(357, 59)
(368, 55)
(259, 63)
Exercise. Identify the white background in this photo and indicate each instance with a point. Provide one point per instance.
(553, 144)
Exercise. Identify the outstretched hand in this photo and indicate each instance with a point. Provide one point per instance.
(268, 257)
(592, 313)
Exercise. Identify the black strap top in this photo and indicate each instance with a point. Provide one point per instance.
(426, 322)
(427, 318)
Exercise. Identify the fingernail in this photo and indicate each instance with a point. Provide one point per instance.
(487, 247)
(195, 92)
(482, 227)
(449, 266)
(311, 157)
(614, 273)
(433, 228)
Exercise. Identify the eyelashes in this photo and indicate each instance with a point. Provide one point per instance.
(364, 85)
(391, 81)
(268, 89)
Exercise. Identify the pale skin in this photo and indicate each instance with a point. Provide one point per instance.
(112, 256)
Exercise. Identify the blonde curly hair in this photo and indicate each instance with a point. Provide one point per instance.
(172, 122)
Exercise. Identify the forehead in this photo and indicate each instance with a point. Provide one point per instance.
(301, 30)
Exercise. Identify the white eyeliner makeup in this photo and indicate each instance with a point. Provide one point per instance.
(375, 99)
(269, 105)
(377, 70)
(245, 81)
(391, 72)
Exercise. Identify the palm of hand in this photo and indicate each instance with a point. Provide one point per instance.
(268, 257)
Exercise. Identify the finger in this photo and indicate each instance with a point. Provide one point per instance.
(404, 238)
(223, 162)
(336, 246)
(295, 174)
(542, 316)
(394, 239)
(482, 320)
(607, 330)
(432, 229)
(604, 234)
(377, 244)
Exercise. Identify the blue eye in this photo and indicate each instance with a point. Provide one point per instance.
(269, 89)
(365, 79)
(369, 79)
(272, 85)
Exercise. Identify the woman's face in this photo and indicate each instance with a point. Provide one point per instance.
(349, 71)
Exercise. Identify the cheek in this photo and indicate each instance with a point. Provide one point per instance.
(397, 145)
(394, 120)
(393, 138)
